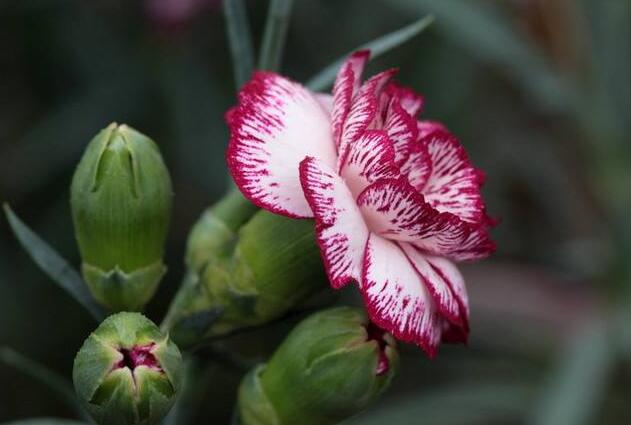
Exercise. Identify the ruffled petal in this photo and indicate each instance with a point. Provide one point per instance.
(454, 184)
(476, 246)
(417, 166)
(448, 271)
(441, 291)
(363, 111)
(394, 210)
(401, 128)
(396, 298)
(340, 229)
(276, 124)
(426, 127)
(411, 101)
(370, 158)
(346, 86)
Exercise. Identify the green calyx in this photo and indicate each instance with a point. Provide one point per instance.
(127, 371)
(330, 367)
(243, 275)
(121, 198)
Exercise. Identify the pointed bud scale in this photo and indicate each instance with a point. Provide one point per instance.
(242, 275)
(127, 371)
(121, 199)
(330, 367)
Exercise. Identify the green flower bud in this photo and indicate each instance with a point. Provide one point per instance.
(242, 275)
(127, 371)
(121, 205)
(330, 367)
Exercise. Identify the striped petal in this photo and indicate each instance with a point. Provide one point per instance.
(345, 87)
(411, 101)
(394, 210)
(340, 229)
(396, 298)
(370, 158)
(417, 166)
(453, 185)
(401, 128)
(363, 111)
(436, 280)
(276, 124)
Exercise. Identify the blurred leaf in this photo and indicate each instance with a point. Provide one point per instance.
(487, 35)
(276, 27)
(54, 265)
(240, 40)
(575, 391)
(482, 403)
(377, 47)
(41, 373)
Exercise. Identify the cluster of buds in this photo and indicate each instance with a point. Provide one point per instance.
(330, 367)
(243, 270)
(121, 205)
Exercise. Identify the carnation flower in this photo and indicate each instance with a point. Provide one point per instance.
(396, 200)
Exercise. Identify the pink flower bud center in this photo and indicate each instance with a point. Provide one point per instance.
(139, 355)
(376, 334)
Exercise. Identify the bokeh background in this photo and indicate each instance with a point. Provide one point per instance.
(539, 91)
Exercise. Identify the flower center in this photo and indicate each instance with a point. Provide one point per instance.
(377, 334)
(139, 355)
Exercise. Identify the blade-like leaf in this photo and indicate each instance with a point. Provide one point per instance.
(275, 34)
(378, 47)
(54, 265)
(576, 389)
(41, 373)
(240, 40)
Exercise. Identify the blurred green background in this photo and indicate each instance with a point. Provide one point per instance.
(539, 92)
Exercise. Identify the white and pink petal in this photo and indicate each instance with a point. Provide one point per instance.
(453, 185)
(340, 229)
(345, 87)
(396, 298)
(369, 158)
(401, 128)
(363, 111)
(276, 124)
(446, 301)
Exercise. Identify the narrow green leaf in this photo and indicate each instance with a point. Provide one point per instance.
(276, 27)
(378, 47)
(576, 389)
(54, 265)
(240, 40)
(41, 373)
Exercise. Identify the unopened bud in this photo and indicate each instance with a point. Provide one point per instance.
(330, 367)
(127, 372)
(121, 199)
